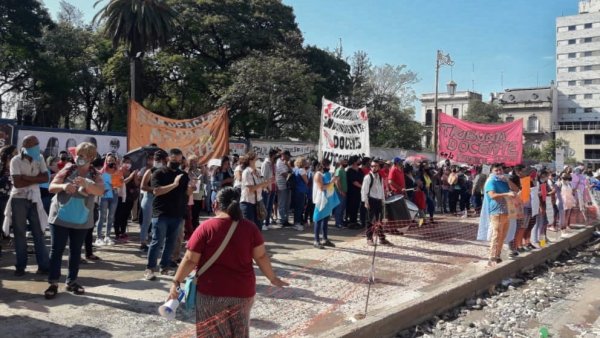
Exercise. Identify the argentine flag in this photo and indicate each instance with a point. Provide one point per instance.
(325, 201)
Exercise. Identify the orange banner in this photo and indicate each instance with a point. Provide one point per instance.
(206, 136)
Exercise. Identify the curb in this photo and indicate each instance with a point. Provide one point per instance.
(400, 317)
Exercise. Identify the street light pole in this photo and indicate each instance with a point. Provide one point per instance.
(440, 60)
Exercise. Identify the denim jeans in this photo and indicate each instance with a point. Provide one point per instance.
(147, 200)
(299, 204)
(164, 235)
(283, 200)
(249, 212)
(108, 207)
(445, 198)
(60, 235)
(269, 199)
(321, 226)
(339, 211)
(24, 210)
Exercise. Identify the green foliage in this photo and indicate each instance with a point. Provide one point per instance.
(481, 112)
(532, 153)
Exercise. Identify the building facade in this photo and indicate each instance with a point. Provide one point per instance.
(455, 105)
(535, 107)
(577, 119)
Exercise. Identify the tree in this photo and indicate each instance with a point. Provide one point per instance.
(271, 97)
(139, 25)
(21, 25)
(481, 112)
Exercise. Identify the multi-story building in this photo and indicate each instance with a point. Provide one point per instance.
(455, 105)
(535, 107)
(577, 119)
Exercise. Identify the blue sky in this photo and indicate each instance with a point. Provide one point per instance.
(495, 44)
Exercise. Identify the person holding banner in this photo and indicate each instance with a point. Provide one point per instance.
(496, 190)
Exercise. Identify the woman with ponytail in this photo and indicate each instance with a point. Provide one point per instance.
(229, 284)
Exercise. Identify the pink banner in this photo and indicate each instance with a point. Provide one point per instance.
(476, 144)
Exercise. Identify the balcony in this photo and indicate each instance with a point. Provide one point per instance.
(566, 126)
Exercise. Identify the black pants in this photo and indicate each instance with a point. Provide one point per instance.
(309, 211)
(375, 214)
(453, 199)
(196, 208)
(122, 216)
(465, 200)
(89, 237)
(352, 207)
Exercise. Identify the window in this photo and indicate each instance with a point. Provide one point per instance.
(588, 110)
(587, 26)
(429, 117)
(532, 124)
(587, 40)
(592, 139)
(572, 97)
(572, 28)
(572, 42)
(455, 112)
(572, 111)
(572, 69)
(587, 82)
(509, 119)
(587, 54)
(588, 96)
(592, 154)
(586, 68)
(572, 55)
(428, 140)
(572, 83)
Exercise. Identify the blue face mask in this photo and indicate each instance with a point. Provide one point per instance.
(33, 152)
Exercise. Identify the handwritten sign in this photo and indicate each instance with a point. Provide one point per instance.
(478, 144)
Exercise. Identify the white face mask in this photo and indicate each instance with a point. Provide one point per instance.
(81, 161)
(158, 165)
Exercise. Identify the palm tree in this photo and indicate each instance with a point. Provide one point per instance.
(139, 24)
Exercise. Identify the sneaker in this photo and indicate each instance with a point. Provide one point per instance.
(329, 244)
(144, 247)
(99, 242)
(149, 274)
(265, 228)
(318, 245)
(19, 273)
(513, 254)
(108, 241)
(167, 272)
(298, 227)
(41, 272)
(384, 241)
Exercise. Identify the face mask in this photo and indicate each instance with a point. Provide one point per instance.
(81, 161)
(174, 165)
(112, 165)
(127, 165)
(63, 159)
(33, 152)
(158, 165)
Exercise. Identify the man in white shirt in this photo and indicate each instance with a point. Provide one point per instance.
(372, 195)
(28, 170)
(267, 171)
(284, 194)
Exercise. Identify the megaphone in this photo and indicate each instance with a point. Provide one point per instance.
(169, 308)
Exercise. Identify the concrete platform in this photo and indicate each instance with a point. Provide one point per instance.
(428, 270)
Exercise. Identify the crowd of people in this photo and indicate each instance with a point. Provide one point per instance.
(81, 193)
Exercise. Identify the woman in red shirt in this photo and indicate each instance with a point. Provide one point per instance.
(228, 287)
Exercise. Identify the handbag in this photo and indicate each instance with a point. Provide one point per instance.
(261, 211)
(189, 298)
(74, 211)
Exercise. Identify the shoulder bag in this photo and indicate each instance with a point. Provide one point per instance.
(192, 279)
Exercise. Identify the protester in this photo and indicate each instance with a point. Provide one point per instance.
(454, 192)
(477, 191)
(24, 209)
(113, 181)
(160, 161)
(354, 178)
(6, 155)
(446, 190)
(284, 193)
(170, 188)
(267, 172)
(426, 177)
(71, 216)
(568, 200)
(372, 195)
(251, 188)
(195, 174)
(310, 205)
(230, 284)
(409, 181)
(538, 235)
(63, 159)
(300, 191)
(131, 188)
(325, 200)
(396, 177)
(496, 190)
(341, 186)
(221, 177)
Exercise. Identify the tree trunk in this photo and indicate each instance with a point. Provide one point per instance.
(135, 72)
